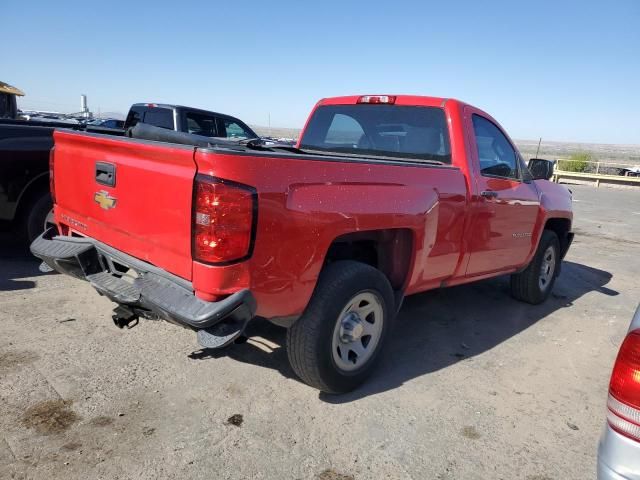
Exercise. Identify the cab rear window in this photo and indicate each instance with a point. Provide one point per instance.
(156, 116)
(159, 117)
(416, 133)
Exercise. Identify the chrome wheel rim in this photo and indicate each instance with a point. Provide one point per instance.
(357, 331)
(547, 268)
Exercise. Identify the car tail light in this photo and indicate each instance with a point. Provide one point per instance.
(389, 99)
(624, 390)
(52, 185)
(224, 217)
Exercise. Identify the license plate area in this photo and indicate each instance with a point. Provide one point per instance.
(117, 268)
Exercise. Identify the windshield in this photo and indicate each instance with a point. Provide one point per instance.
(417, 133)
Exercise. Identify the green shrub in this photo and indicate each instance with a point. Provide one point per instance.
(577, 162)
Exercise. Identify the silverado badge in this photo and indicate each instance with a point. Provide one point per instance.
(105, 200)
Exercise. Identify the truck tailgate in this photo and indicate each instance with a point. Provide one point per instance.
(145, 213)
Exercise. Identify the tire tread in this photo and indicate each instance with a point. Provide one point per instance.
(524, 285)
(302, 337)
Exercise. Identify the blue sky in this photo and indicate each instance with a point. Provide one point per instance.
(563, 70)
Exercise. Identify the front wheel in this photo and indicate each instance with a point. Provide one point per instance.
(534, 284)
(335, 344)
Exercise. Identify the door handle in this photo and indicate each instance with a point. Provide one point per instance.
(106, 174)
(489, 194)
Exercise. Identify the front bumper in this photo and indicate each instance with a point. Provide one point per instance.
(150, 292)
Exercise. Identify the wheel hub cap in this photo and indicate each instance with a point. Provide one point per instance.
(547, 268)
(351, 328)
(357, 331)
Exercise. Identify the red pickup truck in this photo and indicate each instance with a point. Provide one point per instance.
(383, 196)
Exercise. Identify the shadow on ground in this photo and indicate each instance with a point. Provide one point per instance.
(434, 329)
(17, 263)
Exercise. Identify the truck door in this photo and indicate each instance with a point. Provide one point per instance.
(505, 202)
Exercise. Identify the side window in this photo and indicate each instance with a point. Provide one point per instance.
(199, 124)
(159, 117)
(344, 130)
(235, 130)
(496, 155)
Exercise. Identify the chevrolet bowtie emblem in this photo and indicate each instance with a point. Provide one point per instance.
(105, 200)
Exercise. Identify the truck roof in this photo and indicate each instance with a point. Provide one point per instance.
(180, 107)
(6, 88)
(399, 100)
(406, 100)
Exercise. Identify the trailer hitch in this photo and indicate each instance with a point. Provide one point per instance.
(123, 317)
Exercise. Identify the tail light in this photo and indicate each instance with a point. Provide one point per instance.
(224, 218)
(388, 99)
(624, 390)
(52, 185)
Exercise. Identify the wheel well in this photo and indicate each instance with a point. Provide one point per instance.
(388, 250)
(561, 227)
(33, 190)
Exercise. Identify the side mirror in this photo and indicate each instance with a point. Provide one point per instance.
(541, 169)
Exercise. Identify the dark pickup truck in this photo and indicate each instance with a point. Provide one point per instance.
(24, 175)
(25, 201)
(188, 120)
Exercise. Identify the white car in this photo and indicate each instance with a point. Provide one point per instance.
(619, 450)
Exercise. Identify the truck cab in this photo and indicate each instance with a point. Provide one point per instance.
(188, 120)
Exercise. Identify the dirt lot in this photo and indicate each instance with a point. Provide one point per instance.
(474, 385)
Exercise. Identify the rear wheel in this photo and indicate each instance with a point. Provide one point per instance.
(336, 343)
(38, 217)
(534, 284)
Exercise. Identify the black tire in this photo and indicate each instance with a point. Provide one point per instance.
(526, 285)
(36, 216)
(309, 340)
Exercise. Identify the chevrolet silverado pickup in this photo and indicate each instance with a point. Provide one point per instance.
(383, 196)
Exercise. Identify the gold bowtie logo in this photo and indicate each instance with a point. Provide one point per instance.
(105, 200)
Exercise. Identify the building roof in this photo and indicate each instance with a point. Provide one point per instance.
(6, 88)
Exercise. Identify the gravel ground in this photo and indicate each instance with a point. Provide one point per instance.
(474, 384)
